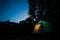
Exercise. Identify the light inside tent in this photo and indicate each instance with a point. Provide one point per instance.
(37, 27)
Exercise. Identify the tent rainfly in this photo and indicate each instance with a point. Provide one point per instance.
(42, 26)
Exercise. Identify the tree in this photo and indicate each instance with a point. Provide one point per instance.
(32, 8)
(43, 10)
(36, 9)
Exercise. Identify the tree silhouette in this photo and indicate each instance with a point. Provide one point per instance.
(32, 8)
(43, 10)
(36, 9)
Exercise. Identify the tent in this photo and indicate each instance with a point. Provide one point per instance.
(42, 26)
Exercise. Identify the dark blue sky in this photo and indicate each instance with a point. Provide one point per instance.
(13, 10)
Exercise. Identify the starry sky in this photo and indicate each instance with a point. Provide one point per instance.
(13, 10)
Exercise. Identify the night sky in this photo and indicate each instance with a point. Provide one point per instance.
(13, 10)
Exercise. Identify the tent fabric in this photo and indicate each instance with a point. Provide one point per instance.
(45, 26)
